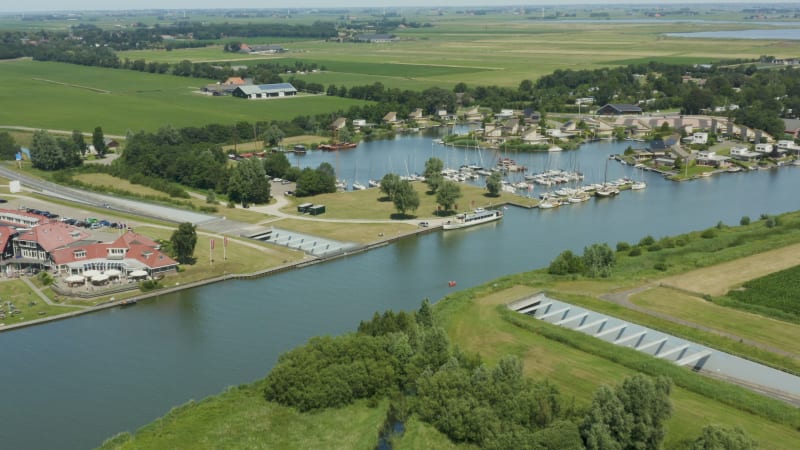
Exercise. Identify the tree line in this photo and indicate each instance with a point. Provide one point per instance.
(407, 357)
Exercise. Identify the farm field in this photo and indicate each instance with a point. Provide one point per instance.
(777, 290)
(719, 279)
(67, 97)
(500, 50)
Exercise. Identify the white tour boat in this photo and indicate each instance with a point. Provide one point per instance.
(476, 217)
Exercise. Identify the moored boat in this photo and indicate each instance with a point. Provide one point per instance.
(476, 217)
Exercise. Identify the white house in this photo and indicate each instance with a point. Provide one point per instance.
(700, 138)
(764, 148)
(359, 122)
(744, 154)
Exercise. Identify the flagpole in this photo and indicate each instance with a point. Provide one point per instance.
(211, 252)
(225, 248)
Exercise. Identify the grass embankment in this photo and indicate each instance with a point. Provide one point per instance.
(240, 418)
(372, 204)
(478, 321)
(362, 233)
(22, 298)
(765, 330)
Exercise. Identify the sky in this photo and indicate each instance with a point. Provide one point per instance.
(73, 5)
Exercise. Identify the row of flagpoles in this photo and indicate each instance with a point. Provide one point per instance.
(224, 249)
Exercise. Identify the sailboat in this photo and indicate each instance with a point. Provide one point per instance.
(356, 185)
(639, 184)
(606, 190)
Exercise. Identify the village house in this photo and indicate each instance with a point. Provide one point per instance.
(339, 123)
(744, 154)
(710, 158)
(390, 118)
(416, 114)
(618, 109)
(533, 137)
(764, 148)
(699, 138)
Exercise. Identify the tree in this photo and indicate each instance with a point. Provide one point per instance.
(715, 437)
(405, 198)
(183, 242)
(273, 135)
(8, 148)
(433, 173)
(566, 262)
(598, 260)
(494, 184)
(389, 184)
(248, 183)
(99, 142)
(276, 164)
(46, 154)
(449, 192)
(80, 143)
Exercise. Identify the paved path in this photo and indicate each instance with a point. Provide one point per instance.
(622, 298)
(44, 297)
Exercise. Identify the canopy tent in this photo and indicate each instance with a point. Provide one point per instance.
(138, 274)
(74, 279)
(112, 273)
(91, 273)
(99, 278)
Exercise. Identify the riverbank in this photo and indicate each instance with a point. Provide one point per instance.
(309, 261)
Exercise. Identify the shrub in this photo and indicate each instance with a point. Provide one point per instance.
(745, 220)
(708, 234)
(720, 225)
(660, 266)
(647, 240)
(680, 242)
(654, 248)
(666, 242)
(623, 246)
(772, 221)
(763, 217)
(635, 251)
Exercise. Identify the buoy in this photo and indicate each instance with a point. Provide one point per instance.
(451, 283)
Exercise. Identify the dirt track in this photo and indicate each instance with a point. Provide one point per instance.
(719, 279)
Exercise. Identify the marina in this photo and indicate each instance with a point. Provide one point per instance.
(197, 342)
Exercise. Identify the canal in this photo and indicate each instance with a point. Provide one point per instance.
(73, 383)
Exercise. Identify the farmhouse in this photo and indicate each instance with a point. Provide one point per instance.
(618, 109)
(261, 49)
(376, 38)
(265, 91)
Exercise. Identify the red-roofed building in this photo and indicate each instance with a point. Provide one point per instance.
(7, 234)
(21, 218)
(130, 252)
(63, 248)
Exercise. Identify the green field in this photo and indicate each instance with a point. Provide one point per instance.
(24, 300)
(777, 290)
(67, 97)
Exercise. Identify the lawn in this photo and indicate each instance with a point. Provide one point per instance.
(25, 300)
(72, 97)
(244, 256)
(371, 204)
(363, 233)
(761, 329)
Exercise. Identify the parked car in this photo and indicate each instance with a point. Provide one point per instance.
(2, 200)
(104, 223)
(424, 224)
